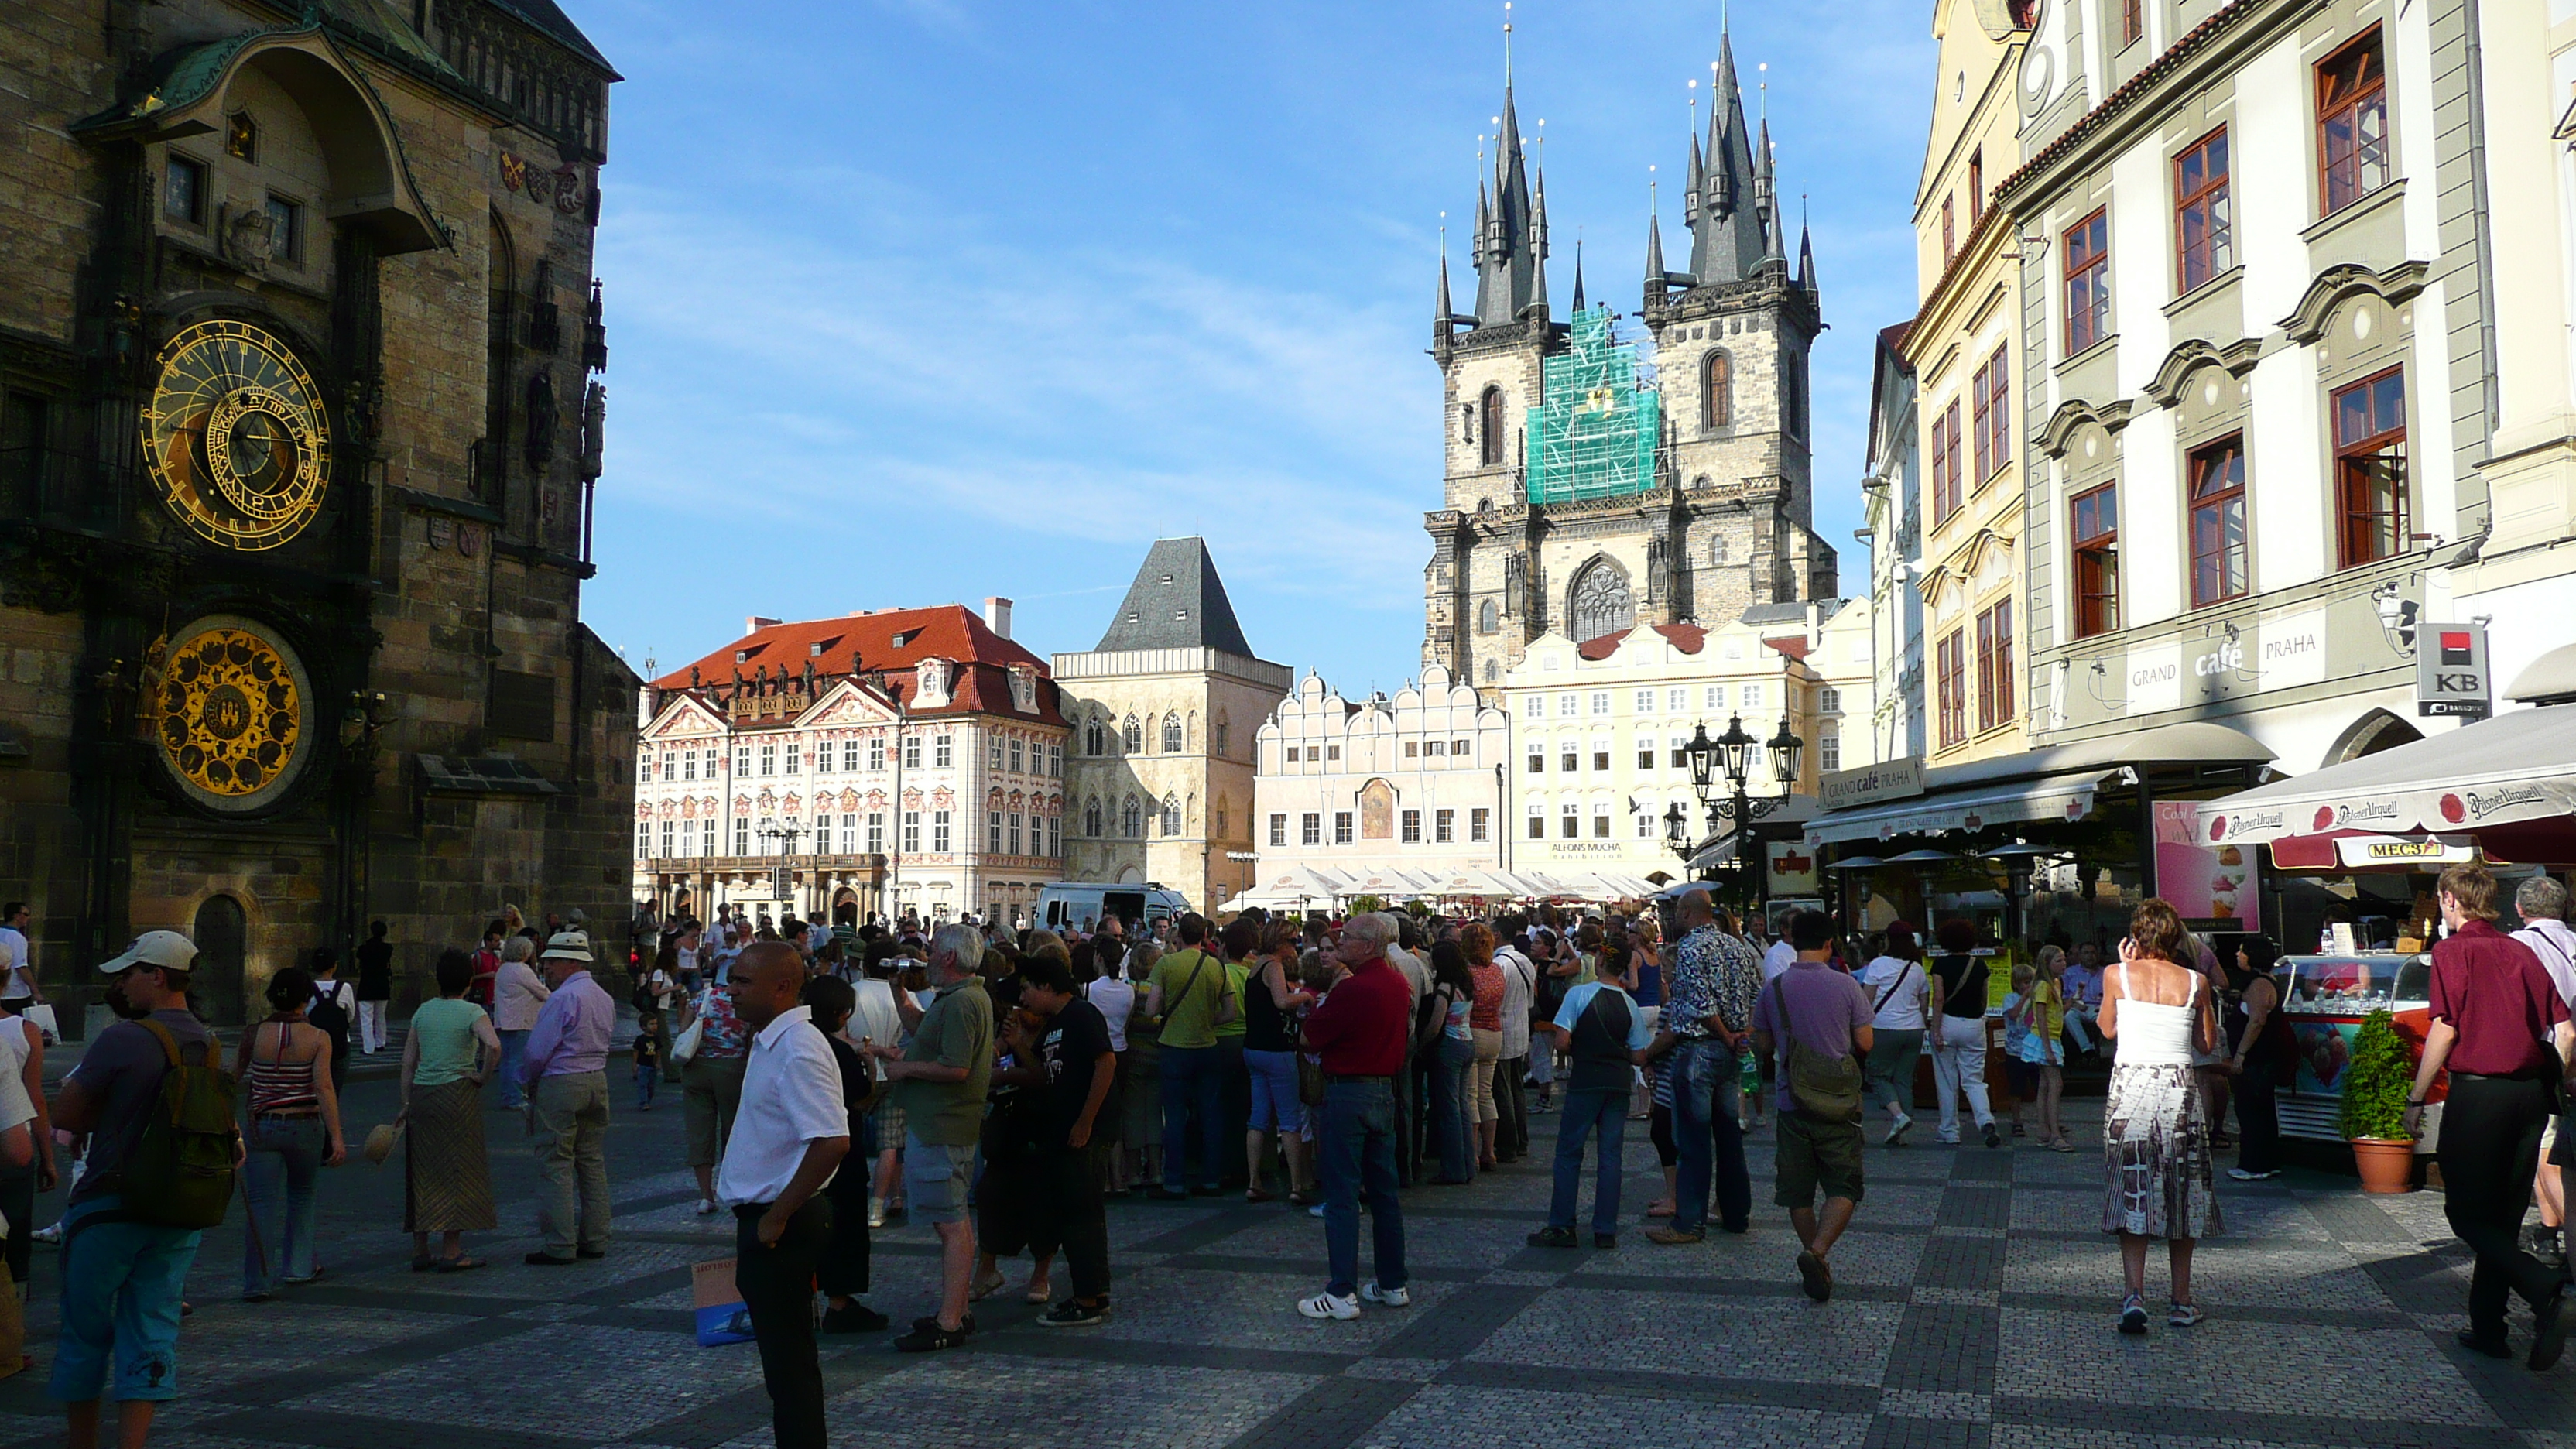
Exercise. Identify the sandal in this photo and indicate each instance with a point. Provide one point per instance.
(2061, 1145)
(459, 1264)
(983, 1288)
(1660, 1208)
(1039, 1294)
(1303, 1198)
(1259, 1195)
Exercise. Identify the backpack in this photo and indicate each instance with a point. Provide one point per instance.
(1826, 1088)
(181, 1173)
(327, 1014)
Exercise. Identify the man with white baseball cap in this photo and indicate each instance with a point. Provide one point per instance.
(121, 1279)
(565, 1069)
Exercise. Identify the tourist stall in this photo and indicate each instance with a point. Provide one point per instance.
(2326, 998)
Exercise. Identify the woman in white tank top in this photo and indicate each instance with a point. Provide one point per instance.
(2158, 1175)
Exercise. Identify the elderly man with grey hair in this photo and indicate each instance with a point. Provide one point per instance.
(940, 1085)
(2542, 903)
(1360, 1032)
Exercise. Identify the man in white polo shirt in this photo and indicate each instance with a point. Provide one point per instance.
(789, 1136)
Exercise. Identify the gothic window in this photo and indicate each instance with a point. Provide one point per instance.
(1131, 820)
(1491, 441)
(1171, 734)
(1091, 816)
(1602, 603)
(1716, 390)
(1717, 550)
(1489, 617)
(1490, 672)
(1133, 736)
(1171, 815)
(1095, 738)
(1224, 735)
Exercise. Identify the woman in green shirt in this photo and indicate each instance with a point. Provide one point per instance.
(449, 1054)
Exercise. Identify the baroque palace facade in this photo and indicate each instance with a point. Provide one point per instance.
(297, 446)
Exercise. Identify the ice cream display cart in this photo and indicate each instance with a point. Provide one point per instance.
(2326, 997)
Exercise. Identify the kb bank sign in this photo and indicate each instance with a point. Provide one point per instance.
(2451, 670)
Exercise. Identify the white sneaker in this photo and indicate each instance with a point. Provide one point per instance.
(1387, 1297)
(876, 1212)
(1327, 1305)
(2241, 1175)
(1316, 1211)
(706, 1207)
(1896, 1133)
(52, 1234)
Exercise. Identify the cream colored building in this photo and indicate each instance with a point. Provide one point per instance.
(1163, 713)
(1599, 729)
(1966, 359)
(1358, 788)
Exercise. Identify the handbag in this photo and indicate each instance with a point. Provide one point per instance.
(42, 1014)
(1310, 1080)
(689, 1040)
(1826, 1088)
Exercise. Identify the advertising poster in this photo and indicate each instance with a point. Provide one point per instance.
(2214, 885)
(1793, 867)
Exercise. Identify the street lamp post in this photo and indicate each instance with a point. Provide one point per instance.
(1730, 755)
(785, 833)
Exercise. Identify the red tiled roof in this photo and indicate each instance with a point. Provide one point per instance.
(1793, 645)
(943, 631)
(2129, 90)
(1686, 637)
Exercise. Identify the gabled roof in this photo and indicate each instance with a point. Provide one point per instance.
(1176, 602)
(889, 639)
(546, 16)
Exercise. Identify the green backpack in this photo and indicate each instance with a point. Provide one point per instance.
(1827, 1088)
(181, 1173)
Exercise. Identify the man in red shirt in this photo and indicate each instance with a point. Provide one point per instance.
(2494, 1014)
(1360, 1033)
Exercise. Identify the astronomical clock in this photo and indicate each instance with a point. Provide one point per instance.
(235, 436)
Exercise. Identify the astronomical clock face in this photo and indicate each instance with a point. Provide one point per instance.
(235, 711)
(236, 437)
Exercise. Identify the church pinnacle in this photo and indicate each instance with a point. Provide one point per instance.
(1511, 250)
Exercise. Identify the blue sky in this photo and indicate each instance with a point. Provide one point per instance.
(915, 301)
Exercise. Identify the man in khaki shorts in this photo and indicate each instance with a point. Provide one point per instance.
(941, 1087)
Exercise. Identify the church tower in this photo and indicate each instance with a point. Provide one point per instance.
(1597, 480)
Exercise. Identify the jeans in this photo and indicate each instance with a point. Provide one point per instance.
(777, 1285)
(572, 1152)
(1191, 1077)
(278, 1194)
(514, 1045)
(120, 1306)
(1890, 1068)
(648, 1075)
(2258, 1120)
(1234, 1101)
(2490, 1151)
(1959, 1065)
(1359, 1157)
(1449, 1109)
(1587, 1112)
(1706, 1081)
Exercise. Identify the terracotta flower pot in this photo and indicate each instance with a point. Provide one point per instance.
(2387, 1166)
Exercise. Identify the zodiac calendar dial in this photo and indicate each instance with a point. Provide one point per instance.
(236, 437)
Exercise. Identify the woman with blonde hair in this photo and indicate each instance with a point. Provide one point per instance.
(2158, 1180)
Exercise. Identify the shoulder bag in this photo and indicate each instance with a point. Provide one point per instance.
(1826, 1088)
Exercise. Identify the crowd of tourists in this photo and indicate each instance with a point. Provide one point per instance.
(1002, 1086)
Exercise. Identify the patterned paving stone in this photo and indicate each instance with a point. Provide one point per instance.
(1779, 1339)
(2316, 1371)
(1572, 1413)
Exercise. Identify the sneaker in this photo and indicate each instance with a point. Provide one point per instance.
(2241, 1175)
(1329, 1305)
(1896, 1133)
(2185, 1315)
(1674, 1237)
(876, 1215)
(1316, 1211)
(1387, 1297)
(935, 1338)
(1552, 1238)
(706, 1207)
(1074, 1313)
(2133, 1314)
(52, 1234)
(856, 1318)
(1815, 1277)
(1993, 1138)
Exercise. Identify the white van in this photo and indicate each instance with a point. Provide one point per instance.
(1081, 906)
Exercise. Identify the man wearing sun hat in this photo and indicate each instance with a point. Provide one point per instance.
(565, 1070)
(121, 1279)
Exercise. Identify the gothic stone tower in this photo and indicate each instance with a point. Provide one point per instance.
(1584, 498)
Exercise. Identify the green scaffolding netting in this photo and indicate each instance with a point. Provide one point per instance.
(1595, 435)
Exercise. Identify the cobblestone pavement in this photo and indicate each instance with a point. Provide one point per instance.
(1973, 1308)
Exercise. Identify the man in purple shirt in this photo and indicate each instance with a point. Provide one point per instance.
(1811, 1005)
(565, 1068)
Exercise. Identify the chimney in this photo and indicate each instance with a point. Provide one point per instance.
(755, 624)
(997, 615)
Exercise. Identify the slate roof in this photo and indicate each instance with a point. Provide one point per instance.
(547, 16)
(1176, 602)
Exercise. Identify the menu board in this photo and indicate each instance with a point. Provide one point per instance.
(2216, 885)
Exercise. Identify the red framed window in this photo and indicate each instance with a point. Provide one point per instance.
(1998, 409)
(1948, 486)
(1994, 666)
(1491, 445)
(1981, 418)
(2219, 549)
(1976, 187)
(2353, 152)
(2374, 520)
(2203, 219)
(1717, 390)
(2088, 279)
(2133, 21)
(1949, 231)
(2095, 533)
(1951, 675)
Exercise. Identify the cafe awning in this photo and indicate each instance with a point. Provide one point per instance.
(2055, 783)
(2510, 781)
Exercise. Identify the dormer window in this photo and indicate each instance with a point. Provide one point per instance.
(906, 637)
(1183, 615)
(742, 656)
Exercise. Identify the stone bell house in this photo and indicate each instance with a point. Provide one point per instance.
(900, 761)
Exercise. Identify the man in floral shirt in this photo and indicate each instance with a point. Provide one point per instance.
(1708, 1008)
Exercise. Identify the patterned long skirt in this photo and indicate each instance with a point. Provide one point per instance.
(447, 1181)
(2158, 1179)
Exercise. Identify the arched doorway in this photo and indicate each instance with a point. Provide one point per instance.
(223, 944)
(2373, 732)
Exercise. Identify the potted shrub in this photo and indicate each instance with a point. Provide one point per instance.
(2375, 1084)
